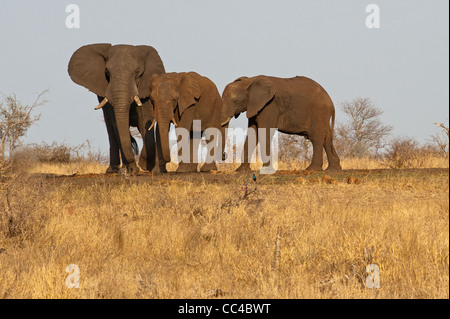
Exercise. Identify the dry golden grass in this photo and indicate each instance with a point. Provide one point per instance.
(180, 238)
(67, 168)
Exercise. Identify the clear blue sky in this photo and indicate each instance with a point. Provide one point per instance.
(403, 66)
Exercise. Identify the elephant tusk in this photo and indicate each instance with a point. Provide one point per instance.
(137, 100)
(153, 124)
(174, 121)
(102, 104)
(226, 122)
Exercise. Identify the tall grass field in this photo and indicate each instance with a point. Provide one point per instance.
(294, 234)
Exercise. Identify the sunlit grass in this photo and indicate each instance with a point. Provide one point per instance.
(182, 239)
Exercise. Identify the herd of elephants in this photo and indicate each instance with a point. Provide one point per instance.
(133, 89)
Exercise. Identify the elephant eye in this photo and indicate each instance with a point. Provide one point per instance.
(138, 72)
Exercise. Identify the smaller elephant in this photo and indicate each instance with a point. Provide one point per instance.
(295, 105)
(181, 98)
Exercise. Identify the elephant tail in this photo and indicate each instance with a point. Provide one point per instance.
(134, 145)
(333, 113)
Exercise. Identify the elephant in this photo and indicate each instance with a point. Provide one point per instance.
(181, 98)
(120, 76)
(296, 105)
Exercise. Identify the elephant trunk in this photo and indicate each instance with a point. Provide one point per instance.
(164, 136)
(121, 98)
(122, 120)
(164, 117)
(226, 114)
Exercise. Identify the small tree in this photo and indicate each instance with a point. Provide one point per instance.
(441, 139)
(362, 134)
(403, 152)
(15, 120)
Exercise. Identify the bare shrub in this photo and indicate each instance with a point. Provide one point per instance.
(57, 153)
(15, 120)
(405, 152)
(294, 148)
(91, 155)
(441, 139)
(47, 153)
(362, 134)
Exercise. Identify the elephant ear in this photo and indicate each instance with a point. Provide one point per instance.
(241, 78)
(87, 67)
(190, 92)
(152, 65)
(260, 92)
(152, 82)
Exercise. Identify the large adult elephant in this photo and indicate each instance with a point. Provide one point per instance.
(295, 105)
(120, 76)
(182, 98)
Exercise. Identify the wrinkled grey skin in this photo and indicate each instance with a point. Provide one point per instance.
(119, 73)
(295, 105)
(183, 98)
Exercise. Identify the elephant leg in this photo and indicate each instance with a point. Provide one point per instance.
(212, 165)
(191, 166)
(333, 159)
(248, 149)
(207, 167)
(317, 159)
(149, 160)
(114, 145)
(267, 153)
(223, 130)
(147, 155)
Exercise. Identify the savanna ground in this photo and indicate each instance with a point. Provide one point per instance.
(294, 234)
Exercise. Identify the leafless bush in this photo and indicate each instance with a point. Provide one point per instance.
(47, 153)
(405, 152)
(441, 139)
(57, 153)
(294, 148)
(91, 155)
(15, 120)
(362, 134)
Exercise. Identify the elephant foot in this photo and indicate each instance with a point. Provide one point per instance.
(132, 169)
(159, 169)
(334, 168)
(112, 170)
(187, 168)
(145, 166)
(245, 167)
(312, 167)
(207, 167)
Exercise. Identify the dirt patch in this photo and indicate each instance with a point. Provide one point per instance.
(230, 177)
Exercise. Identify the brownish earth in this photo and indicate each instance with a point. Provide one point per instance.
(223, 177)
